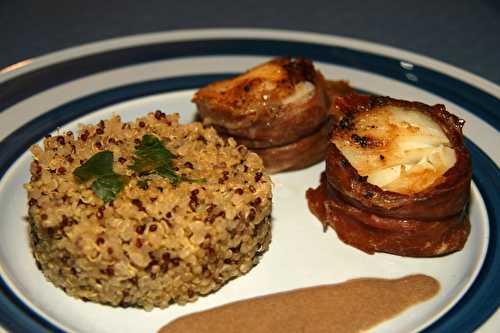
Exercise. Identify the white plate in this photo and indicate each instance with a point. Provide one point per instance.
(136, 75)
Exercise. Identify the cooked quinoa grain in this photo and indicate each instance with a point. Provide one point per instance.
(156, 243)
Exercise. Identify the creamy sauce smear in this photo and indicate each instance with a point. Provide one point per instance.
(352, 306)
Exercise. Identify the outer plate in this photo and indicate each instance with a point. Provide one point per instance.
(136, 75)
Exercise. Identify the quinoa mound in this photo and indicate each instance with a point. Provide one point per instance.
(154, 244)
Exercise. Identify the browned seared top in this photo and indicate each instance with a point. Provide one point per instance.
(269, 83)
(399, 147)
(444, 198)
(272, 104)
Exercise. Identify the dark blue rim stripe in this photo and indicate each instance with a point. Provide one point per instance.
(471, 98)
(47, 122)
(15, 316)
(483, 297)
(480, 300)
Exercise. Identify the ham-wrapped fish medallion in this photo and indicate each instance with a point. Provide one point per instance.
(397, 177)
(279, 109)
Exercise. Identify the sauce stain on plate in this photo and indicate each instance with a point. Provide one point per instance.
(352, 306)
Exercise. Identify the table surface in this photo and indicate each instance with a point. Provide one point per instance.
(462, 33)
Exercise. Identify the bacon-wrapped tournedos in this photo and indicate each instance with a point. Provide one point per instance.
(397, 177)
(277, 108)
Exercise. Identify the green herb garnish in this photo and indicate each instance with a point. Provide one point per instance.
(151, 157)
(107, 187)
(107, 183)
(101, 164)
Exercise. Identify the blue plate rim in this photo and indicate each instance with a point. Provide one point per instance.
(484, 186)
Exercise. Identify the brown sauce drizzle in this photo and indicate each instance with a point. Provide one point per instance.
(352, 306)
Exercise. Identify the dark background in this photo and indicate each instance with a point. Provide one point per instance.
(463, 33)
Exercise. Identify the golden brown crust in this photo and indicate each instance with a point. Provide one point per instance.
(445, 199)
(251, 106)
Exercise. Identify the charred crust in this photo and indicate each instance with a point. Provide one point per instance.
(369, 194)
(346, 123)
(298, 69)
(352, 104)
(360, 140)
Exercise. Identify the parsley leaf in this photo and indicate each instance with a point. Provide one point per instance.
(107, 183)
(100, 164)
(107, 187)
(170, 174)
(152, 157)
